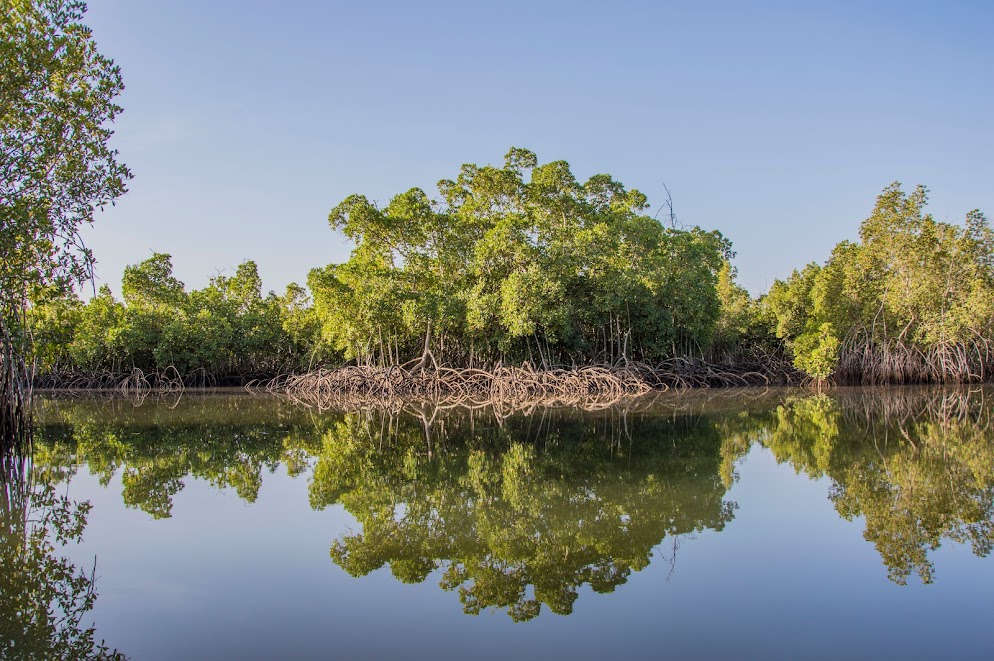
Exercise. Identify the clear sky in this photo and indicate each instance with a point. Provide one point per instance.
(776, 123)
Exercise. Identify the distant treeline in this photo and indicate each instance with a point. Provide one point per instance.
(524, 263)
(226, 333)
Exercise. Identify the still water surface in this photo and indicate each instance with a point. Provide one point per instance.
(731, 524)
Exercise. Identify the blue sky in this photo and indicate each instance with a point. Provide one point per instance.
(775, 123)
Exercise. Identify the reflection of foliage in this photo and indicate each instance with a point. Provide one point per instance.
(43, 597)
(803, 433)
(916, 479)
(738, 431)
(156, 447)
(515, 512)
(516, 522)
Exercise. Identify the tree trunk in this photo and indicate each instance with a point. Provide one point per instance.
(15, 396)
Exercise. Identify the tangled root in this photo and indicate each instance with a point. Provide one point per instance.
(598, 384)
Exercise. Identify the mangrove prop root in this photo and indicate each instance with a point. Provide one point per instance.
(866, 362)
(604, 383)
(136, 384)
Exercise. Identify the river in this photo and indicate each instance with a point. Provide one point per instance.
(708, 524)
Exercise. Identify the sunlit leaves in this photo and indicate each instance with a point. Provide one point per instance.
(56, 166)
(911, 282)
(516, 261)
(228, 329)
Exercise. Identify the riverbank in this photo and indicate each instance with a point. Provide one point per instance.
(500, 382)
(522, 382)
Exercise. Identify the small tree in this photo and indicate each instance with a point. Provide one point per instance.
(816, 352)
(56, 168)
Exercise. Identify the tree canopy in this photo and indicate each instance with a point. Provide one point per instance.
(521, 261)
(229, 330)
(56, 165)
(912, 300)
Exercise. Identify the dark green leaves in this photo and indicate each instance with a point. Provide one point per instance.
(56, 166)
(518, 262)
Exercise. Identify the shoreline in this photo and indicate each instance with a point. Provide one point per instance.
(369, 381)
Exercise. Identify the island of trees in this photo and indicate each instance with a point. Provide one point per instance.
(522, 265)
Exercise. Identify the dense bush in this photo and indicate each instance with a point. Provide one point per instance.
(522, 262)
(912, 300)
(226, 331)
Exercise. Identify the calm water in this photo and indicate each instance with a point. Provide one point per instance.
(747, 524)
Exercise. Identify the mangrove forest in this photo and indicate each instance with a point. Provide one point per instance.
(521, 273)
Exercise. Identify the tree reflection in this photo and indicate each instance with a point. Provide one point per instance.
(918, 467)
(520, 514)
(517, 511)
(230, 443)
(44, 597)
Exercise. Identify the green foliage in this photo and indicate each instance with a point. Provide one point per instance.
(53, 327)
(521, 261)
(227, 331)
(743, 324)
(95, 338)
(816, 351)
(912, 300)
(56, 168)
(151, 284)
(300, 322)
(789, 301)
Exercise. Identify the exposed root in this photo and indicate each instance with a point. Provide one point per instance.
(891, 362)
(600, 385)
(133, 385)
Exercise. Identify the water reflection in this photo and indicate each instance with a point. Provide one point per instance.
(519, 512)
(918, 467)
(44, 598)
(228, 442)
